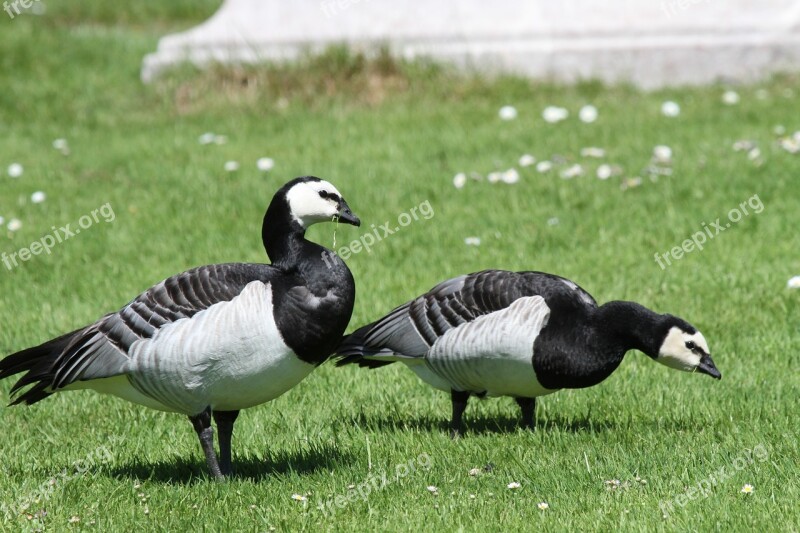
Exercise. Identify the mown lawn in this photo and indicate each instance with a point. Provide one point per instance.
(391, 137)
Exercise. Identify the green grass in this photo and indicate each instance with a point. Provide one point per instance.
(391, 136)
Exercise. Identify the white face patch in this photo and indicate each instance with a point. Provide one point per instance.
(675, 354)
(308, 207)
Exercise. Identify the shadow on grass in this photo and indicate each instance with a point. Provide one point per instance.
(485, 425)
(193, 470)
(475, 425)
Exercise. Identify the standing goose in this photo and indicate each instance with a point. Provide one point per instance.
(519, 334)
(218, 338)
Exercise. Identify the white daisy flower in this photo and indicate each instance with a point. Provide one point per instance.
(630, 183)
(265, 164)
(432, 489)
(790, 144)
(459, 180)
(553, 221)
(61, 145)
(507, 112)
(206, 138)
(513, 485)
(74, 519)
(593, 151)
(793, 283)
(747, 489)
(477, 471)
(231, 166)
(543, 505)
(472, 241)
(494, 177)
(662, 154)
(544, 166)
(38, 197)
(670, 109)
(743, 145)
(604, 171)
(299, 498)
(553, 114)
(15, 170)
(588, 114)
(510, 176)
(572, 172)
(220, 139)
(526, 160)
(14, 224)
(730, 97)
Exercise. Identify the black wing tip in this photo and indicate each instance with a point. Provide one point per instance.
(38, 362)
(31, 396)
(343, 360)
(359, 359)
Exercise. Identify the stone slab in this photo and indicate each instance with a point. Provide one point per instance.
(649, 43)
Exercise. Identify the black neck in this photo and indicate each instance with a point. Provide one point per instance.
(631, 326)
(588, 355)
(283, 237)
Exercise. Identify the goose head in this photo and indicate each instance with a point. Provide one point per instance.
(685, 348)
(313, 200)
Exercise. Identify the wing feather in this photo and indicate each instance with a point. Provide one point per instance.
(101, 349)
(411, 329)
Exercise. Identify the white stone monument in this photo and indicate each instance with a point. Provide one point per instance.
(652, 43)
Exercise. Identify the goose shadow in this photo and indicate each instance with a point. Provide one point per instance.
(502, 424)
(192, 470)
(478, 424)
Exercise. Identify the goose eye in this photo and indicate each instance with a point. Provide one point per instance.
(323, 194)
(691, 345)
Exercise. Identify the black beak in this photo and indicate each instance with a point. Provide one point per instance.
(347, 216)
(706, 366)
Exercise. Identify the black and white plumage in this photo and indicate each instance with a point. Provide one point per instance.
(215, 339)
(519, 334)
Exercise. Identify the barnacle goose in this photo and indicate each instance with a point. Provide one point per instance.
(218, 338)
(519, 334)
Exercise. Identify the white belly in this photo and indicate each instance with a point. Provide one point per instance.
(493, 354)
(230, 356)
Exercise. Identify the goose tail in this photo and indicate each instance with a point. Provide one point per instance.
(353, 349)
(39, 363)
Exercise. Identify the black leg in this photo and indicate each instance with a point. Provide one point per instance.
(225, 420)
(202, 425)
(528, 406)
(459, 399)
